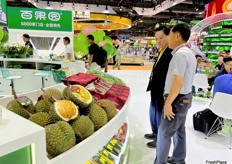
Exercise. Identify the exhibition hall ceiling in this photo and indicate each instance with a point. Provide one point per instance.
(141, 12)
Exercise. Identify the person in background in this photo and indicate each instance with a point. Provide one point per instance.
(26, 39)
(68, 51)
(93, 50)
(116, 44)
(157, 81)
(96, 54)
(227, 67)
(223, 84)
(118, 58)
(198, 69)
(219, 66)
(199, 59)
(196, 50)
(211, 77)
(178, 98)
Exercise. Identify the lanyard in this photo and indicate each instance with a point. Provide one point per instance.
(160, 55)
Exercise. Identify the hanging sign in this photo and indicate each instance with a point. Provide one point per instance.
(218, 6)
(39, 19)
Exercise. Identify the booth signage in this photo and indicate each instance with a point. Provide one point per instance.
(218, 6)
(3, 20)
(39, 19)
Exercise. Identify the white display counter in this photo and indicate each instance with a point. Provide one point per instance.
(31, 66)
(87, 148)
(17, 132)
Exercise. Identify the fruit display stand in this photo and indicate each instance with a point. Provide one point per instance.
(218, 41)
(27, 68)
(17, 133)
(122, 158)
(83, 151)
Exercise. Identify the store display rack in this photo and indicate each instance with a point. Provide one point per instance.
(122, 158)
(218, 41)
(82, 152)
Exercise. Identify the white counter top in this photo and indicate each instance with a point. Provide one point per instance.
(17, 132)
(31, 60)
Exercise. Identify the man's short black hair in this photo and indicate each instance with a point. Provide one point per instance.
(198, 56)
(114, 37)
(90, 37)
(183, 29)
(26, 36)
(165, 29)
(227, 59)
(67, 39)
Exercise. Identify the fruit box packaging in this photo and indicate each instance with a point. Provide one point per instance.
(118, 94)
(80, 78)
(100, 88)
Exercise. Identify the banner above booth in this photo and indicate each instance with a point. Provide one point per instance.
(218, 6)
(39, 19)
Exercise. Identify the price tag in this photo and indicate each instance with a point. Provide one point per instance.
(24, 101)
(106, 152)
(110, 147)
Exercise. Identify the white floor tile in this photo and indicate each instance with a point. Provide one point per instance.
(199, 149)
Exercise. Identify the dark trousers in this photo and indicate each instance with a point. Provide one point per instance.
(155, 114)
(176, 129)
(114, 59)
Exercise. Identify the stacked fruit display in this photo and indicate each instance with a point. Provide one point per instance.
(111, 152)
(68, 117)
(107, 77)
(218, 41)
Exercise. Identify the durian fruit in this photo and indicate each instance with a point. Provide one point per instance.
(31, 108)
(83, 127)
(60, 137)
(41, 118)
(17, 108)
(109, 108)
(80, 96)
(63, 110)
(52, 95)
(43, 106)
(97, 115)
(65, 94)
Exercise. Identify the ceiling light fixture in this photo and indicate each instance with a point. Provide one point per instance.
(87, 7)
(48, 4)
(61, 4)
(73, 6)
(131, 10)
(106, 7)
(197, 9)
(120, 8)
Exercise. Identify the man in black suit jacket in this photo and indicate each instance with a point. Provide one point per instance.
(157, 82)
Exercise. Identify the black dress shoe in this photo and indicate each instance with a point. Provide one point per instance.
(152, 144)
(171, 161)
(151, 136)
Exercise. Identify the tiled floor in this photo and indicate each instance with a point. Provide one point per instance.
(199, 149)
